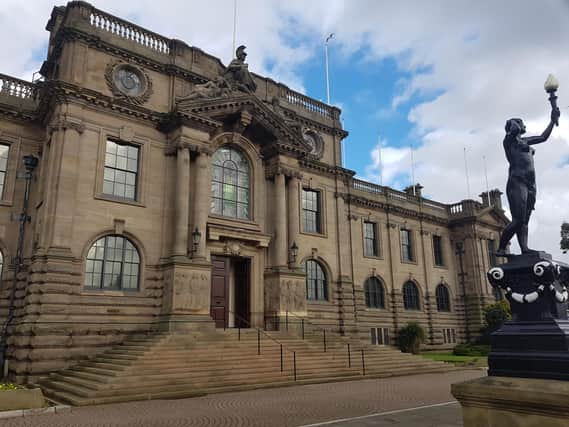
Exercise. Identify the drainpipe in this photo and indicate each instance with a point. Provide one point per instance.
(30, 163)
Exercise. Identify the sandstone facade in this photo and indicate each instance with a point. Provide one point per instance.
(212, 186)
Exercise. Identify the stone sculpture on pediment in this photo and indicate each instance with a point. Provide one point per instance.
(237, 73)
(216, 88)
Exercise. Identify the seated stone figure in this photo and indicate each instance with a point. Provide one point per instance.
(237, 73)
(216, 88)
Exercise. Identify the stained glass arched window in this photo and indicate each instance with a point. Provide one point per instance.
(230, 183)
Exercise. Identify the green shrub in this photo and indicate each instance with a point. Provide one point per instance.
(496, 314)
(410, 338)
(471, 350)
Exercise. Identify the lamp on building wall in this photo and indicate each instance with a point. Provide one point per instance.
(196, 238)
(293, 253)
(30, 162)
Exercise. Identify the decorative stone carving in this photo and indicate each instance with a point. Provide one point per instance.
(237, 73)
(191, 292)
(314, 141)
(233, 247)
(128, 83)
(216, 88)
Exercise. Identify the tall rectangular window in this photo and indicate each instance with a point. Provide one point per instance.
(438, 250)
(311, 211)
(370, 239)
(406, 246)
(491, 252)
(4, 149)
(121, 170)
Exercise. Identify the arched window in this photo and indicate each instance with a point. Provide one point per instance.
(112, 263)
(316, 283)
(411, 296)
(230, 183)
(375, 297)
(443, 299)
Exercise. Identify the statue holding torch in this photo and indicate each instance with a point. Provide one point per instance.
(521, 188)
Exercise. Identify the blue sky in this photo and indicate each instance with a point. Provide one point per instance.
(439, 76)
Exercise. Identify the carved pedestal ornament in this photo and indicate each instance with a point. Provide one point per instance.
(128, 82)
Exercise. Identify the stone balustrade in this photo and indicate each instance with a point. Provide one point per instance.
(126, 30)
(17, 88)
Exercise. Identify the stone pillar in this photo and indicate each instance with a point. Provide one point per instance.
(202, 201)
(182, 203)
(62, 184)
(280, 242)
(293, 214)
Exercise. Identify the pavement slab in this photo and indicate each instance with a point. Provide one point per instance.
(341, 404)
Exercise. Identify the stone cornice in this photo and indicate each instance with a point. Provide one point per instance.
(297, 118)
(322, 168)
(55, 92)
(398, 210)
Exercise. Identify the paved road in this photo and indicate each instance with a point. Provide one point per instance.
(297, 406)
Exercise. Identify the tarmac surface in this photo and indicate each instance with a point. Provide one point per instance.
(410, 401)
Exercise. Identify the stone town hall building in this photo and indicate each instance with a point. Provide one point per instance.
(173, 192)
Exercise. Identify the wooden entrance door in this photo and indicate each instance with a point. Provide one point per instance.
(219, 290)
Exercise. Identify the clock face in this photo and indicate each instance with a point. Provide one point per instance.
(129, 81)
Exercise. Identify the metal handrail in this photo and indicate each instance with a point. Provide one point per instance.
(259, 332)
(302, 322)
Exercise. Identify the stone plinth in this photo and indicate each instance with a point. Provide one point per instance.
(513, 402)
(535, 343)
(285, 292)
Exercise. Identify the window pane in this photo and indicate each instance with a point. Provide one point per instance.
(311, 211)
(230, 183)
(121, 168)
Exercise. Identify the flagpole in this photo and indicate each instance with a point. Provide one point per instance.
(380, 161)
(331, 36)
(234, 26)
(487, 186)
(467, 178)
(412, 170)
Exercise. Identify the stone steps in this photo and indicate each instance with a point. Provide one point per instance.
(175, 366)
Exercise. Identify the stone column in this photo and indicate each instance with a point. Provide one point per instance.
(293, 214)
(280, 241)
(182, 203)
(202, 201)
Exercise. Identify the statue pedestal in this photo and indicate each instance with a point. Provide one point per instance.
(535, 343)
(513, 402)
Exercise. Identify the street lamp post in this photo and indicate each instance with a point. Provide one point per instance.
(30, 163)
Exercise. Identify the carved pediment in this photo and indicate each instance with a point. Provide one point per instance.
(248, 115)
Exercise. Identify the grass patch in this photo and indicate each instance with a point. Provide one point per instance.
(457, 360)
(10, 386)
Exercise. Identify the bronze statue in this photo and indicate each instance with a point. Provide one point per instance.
(521, 189)
(237, 73)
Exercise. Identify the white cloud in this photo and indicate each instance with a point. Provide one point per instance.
(487, 61)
